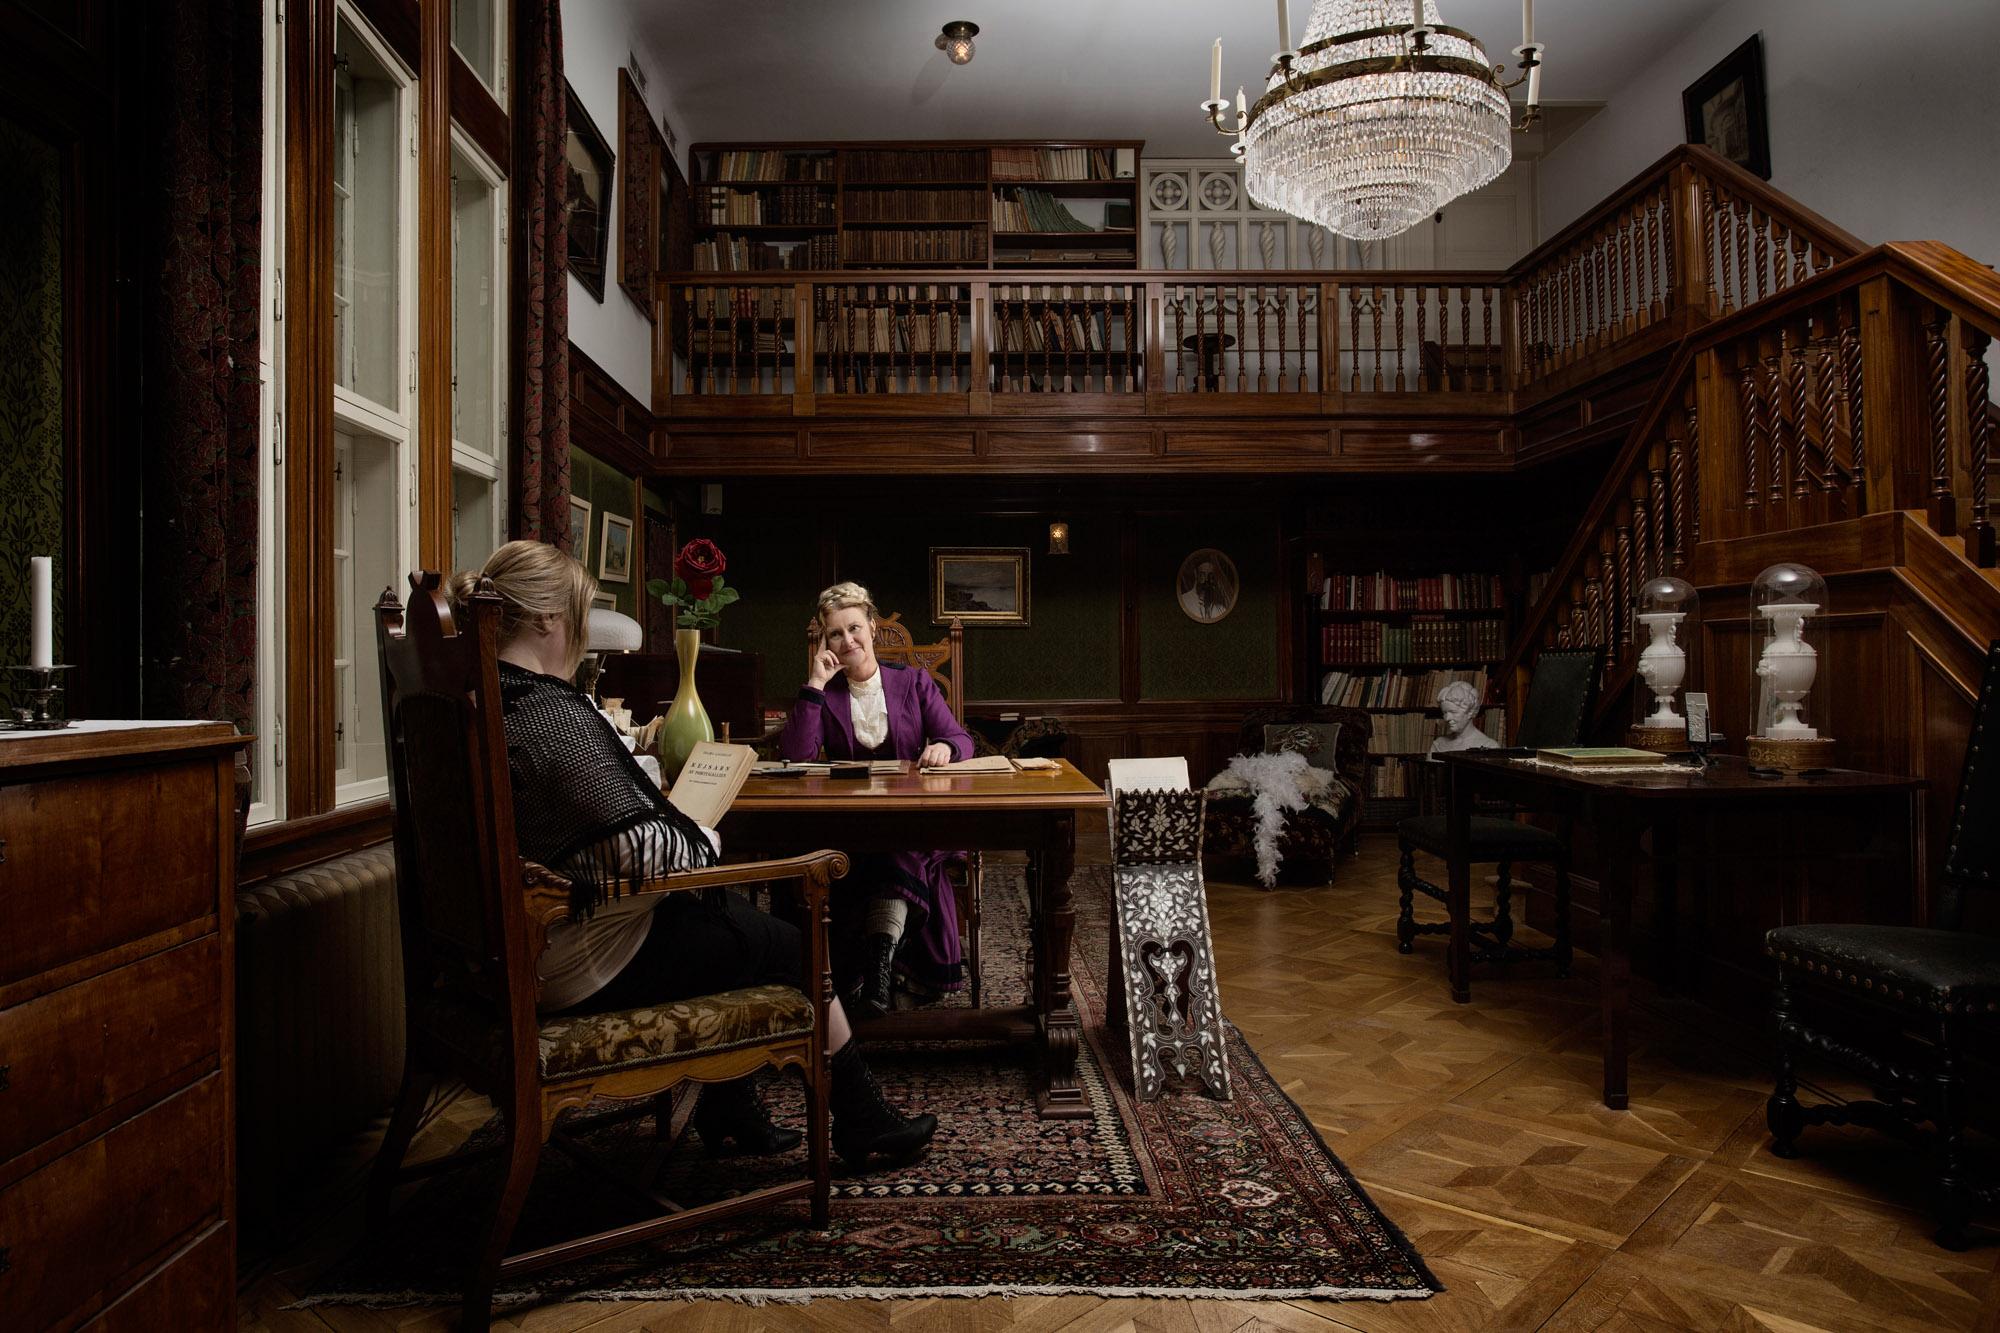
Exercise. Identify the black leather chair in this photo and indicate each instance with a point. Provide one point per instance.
(1560, 693)
(1905, 1006)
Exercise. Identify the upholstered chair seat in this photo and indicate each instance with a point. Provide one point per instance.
(705, 1024)
(1493, 838)
(1942, 971)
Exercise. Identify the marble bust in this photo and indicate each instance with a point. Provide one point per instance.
(1459, 703)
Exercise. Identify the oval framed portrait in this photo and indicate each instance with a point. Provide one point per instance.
(1206, 586)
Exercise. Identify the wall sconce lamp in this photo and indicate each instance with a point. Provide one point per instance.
(1059, 538)
(956, 41)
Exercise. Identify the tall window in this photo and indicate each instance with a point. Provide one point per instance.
(375, 379)
(267, 784)
(478, 34)
(478, 354)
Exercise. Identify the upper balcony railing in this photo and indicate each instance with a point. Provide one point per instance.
(1690, 239)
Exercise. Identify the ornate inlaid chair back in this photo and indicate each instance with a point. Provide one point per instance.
(1157, 827)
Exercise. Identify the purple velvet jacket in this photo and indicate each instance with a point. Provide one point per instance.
(918, 714)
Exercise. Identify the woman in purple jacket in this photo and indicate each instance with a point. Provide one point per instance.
(853, 707)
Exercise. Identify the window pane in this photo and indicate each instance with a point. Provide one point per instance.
(475, 308)
(473, 536)
(369, 148)
(472, 33)
(364, 563)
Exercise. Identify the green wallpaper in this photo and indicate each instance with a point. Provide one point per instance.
(774, 564)
(1237, 656)
(608, 490)
(31, 380)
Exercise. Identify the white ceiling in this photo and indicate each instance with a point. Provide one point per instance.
(1110, 69)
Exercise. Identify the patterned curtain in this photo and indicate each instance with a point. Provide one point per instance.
(541, 274)
(202, 209)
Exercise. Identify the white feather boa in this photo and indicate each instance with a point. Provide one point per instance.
(1280, 783)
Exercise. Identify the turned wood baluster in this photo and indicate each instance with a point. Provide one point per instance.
(1753, 426)
(1623, 292)
(1642, 547)
(1423, 336)
(1180, 368)
(1465, 338)
(1263, 350)
(1285, 295)
(1242, 380)
(1772, 390)
(1760, 241)
(1732, 258)
(1052, 342)
(711, 363)
(1944, 506)
(1069, 353)
(1649, 299)
(871, 314)
(1709, 249)
(850, 362)
(1375, 310)
(1677, 482)
(1792, 255)
(1593, 607)
(1587, 326)
(1131, 338)
(1828, 399)
(1562, 346)
(693, 308)
(1398, 289)
(1693, 496)
(1850, 378)
(1623, 588)
(1492, 356)
(1658, 507)
(1979, 430)
(931, 326)
(1792, 340)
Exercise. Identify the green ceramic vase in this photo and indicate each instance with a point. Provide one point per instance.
(687, 723)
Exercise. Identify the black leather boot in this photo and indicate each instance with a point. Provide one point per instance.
(878, 975)
(733, 1113)
(863, 1121)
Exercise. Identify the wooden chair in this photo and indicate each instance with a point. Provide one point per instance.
(1311, 841)
(1910, 1008)
(894, 644)
(475, 918)
(1560, 693)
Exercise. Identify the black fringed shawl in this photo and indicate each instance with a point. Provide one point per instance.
(578, 793)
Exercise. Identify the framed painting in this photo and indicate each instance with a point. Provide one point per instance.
(579, 529)
(588, 170)
(985, 585)
(609, 601)
(1725, 109)
(1206, 586)
(614, 549)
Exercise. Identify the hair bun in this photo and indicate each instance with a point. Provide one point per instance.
(459, 587)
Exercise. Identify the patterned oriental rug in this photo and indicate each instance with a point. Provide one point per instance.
(1183, 1196)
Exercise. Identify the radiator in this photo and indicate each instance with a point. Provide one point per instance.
(319, 1014)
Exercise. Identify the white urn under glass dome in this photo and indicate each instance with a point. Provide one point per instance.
(1788, 688)
(1368, 133)
(1666, 637)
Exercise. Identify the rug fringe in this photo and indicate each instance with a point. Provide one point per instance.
(382, 1300)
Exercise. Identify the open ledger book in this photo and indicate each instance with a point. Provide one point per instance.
(709, 781)
(996, 763)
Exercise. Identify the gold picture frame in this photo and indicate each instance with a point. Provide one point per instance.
(614, 549)
(980, 585)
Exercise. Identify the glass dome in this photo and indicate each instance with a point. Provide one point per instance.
(1666, 644)
(1788, 719)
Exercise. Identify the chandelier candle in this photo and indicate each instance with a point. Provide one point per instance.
(1284, 26)
(1215, 72)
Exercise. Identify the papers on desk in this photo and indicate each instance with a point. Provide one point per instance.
(996, 763)
(877, 768)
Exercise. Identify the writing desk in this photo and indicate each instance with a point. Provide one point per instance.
(911, 811)
(1620, 806)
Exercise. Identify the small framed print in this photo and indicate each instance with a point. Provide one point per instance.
(979, 585)
(1697, 719)
(614, 549)
(609, 601)
(579, 530)
(1206, 585)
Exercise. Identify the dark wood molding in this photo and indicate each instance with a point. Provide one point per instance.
(483, 119)
(400, 23)
(310, 613)
(276, 848)
(606, 420)
(434, 288)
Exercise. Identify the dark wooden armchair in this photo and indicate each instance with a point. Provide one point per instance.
(1311, 841)
(1908, 1007)
(1560, 694)
(475, 918)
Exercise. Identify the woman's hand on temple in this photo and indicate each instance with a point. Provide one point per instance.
(935, 754)
(825, 666)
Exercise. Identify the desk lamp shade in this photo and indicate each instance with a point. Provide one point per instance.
(1666, 646)
(613, 632)
(1789, 719)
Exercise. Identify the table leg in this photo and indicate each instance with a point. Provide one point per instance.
(1617, 848)
(1666, 901)
(1458, 884)
(1061, 1098)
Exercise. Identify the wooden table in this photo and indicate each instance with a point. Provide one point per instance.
(1030, 812)
(1621, 806)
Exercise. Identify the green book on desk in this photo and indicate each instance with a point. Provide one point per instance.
(1599, 756)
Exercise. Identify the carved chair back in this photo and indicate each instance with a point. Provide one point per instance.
(466, 953)
(1972, 855)
(1560, 694)
(894, 644)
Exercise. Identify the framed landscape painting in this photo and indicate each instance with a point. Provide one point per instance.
(579, 529)
(1724, 109)
(614, 551)
(587, 169)
(979, 585)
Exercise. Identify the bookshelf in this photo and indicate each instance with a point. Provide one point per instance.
(1386, 641)
(916, 204)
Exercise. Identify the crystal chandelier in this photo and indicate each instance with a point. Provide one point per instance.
(1379, 119)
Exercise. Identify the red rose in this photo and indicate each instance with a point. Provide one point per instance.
(698, 564)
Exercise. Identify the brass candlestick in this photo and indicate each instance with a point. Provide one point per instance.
(42, 689)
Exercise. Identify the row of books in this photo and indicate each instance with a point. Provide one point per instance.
(913, 206)
(1394, 689)
(1096, 258)
(1383, 591)
(1419, 641)
(788, 205)
(1033, 210)
(724, 253)
(914, 247)
(1412, 733)
(1064, 164)
(891, 164)
(757, 164)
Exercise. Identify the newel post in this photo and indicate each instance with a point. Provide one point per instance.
(1691, 287)
(1895, 413)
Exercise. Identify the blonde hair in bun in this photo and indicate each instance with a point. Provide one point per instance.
(534, 579)
(843, 595)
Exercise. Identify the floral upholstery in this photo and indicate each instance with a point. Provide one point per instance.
(582, 1044)
(1156, 827)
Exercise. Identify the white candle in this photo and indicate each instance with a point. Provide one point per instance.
(1535, 84)
(1284, 26)
(1527, 22)
(1416, 13)
(1241, 105)
(1215, 72)
(41, 650)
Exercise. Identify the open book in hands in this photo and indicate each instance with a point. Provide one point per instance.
(709, 781)
(996, 763)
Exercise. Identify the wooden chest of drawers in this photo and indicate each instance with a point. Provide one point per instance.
(117, 1172)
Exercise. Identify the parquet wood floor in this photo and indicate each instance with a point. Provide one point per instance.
(1478, 1130)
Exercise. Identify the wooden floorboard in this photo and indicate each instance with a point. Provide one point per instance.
(1476, 1128)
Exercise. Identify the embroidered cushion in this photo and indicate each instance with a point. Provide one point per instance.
(1319, 742)
(627, 1038)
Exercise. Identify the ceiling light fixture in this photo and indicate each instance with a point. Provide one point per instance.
(956, 41)
(1382, 117)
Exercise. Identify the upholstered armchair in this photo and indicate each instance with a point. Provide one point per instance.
(1311, 840)
(475, 918)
